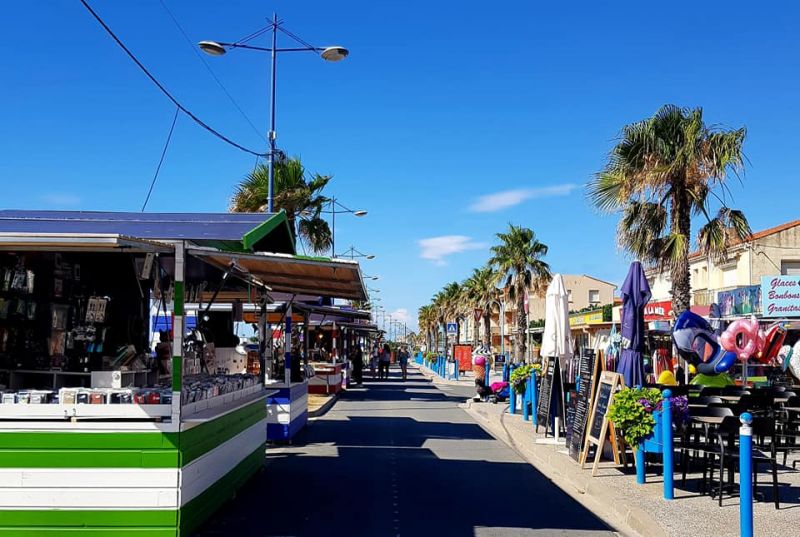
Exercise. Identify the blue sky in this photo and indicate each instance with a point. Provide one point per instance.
(448, 120)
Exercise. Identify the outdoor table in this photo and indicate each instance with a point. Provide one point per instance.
(708, 420)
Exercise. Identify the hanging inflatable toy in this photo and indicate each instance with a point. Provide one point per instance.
(697, 343)
(773, 342)
(794, 361)
(784, 355)
(742, 338)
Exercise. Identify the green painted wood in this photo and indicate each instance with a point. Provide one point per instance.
(85, 458)
(36, 531)
(177, 298)
(85, 440)
(197, 511)
(89, 518)
(199, 440)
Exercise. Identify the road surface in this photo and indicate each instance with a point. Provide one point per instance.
(400, 459)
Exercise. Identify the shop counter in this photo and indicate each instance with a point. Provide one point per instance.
(136, 477)
(327, 378)
(287, 410)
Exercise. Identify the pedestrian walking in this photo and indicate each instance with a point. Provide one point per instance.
(402, 358)
(357, 357)
(385, 359)
(373, 362)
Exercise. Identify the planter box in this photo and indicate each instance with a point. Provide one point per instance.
(654, 442)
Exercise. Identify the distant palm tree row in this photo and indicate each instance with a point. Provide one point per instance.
(662, 173)
(517, 264)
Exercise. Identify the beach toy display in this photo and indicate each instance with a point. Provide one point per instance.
(697, 343)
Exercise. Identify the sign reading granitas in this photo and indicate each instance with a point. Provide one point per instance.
(781, 296)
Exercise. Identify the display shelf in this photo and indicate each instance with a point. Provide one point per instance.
(20, 411)
(58, 379)
(122, 378)
(210, 406)
(224, 408)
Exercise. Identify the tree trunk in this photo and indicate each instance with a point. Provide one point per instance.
(522, 321)
(487, 328)
(679, 270)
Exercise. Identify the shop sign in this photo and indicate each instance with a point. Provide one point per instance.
(781, 296)
(740, 301)
(591, 317)
(658, 311)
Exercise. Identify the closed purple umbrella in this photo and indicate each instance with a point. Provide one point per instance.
(635, 295)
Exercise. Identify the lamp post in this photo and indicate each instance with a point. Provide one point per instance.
(333, 212)
(331, 54)
(352, 253)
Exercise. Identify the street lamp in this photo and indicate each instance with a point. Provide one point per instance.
(331, 54)
(352, 253)
(333, 212)
(373, 278)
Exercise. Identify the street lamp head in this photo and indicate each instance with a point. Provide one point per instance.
(360, 213)
(370, 257)
(334, 54)
(212, 48)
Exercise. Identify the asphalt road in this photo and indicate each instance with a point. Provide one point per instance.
(400, 459)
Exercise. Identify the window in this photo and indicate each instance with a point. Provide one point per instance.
(790, 268)
(569, 295)
(594, 296)
(729, 277)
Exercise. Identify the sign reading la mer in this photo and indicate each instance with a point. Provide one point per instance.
(780, 296)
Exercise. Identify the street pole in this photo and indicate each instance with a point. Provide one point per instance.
(272, 134)
(333, 227)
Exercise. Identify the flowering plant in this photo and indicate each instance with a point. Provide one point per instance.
(633, 408)
(520, 376)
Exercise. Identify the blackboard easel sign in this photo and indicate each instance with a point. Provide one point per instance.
(550, 389)
(609, 383)
(588, 372)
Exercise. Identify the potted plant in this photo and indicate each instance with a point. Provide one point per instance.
(520, 375)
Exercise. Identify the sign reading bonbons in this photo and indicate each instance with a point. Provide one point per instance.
(780, 296)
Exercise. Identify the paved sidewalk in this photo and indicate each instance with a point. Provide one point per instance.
(615, 496)
(467, 379)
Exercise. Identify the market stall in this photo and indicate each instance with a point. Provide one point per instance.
(155, 440)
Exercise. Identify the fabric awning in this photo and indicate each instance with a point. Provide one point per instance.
(318, 276)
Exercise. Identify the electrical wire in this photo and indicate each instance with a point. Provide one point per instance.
(161, 160)
(163, 89)
(311, 47)
(211, 71)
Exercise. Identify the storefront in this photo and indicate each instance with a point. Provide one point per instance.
(156, 441)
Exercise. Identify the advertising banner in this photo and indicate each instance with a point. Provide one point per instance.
(781, 296)
(740, 301)
(658, 310)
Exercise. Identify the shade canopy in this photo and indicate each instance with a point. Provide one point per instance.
(635, 295)
(556, 340)
(294, 274)
(230, 231)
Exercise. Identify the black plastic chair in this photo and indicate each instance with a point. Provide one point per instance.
(735, 390)
(710, 390)
(698, 439)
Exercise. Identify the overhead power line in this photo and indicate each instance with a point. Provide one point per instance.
(161, 160)
(211, 72)
(164, 90)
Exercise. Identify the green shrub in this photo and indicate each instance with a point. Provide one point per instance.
(520, 376)
(629, 412)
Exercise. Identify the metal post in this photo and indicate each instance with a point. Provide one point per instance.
(639, 453)
(272, 134)
(745, 475)
(333, 227)
(534, 401)
(512, 406)
(287, 348)
(666, 431)
(526, 413)
(177, 332)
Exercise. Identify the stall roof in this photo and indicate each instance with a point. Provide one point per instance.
(75, 242)
(332, 311)
(227, 231)
(316, 276)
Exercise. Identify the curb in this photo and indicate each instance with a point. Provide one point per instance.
(563, 472)
(436, 379)
(324, 408)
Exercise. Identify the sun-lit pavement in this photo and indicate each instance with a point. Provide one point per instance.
(394, 459)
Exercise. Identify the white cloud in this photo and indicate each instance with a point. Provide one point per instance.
(401, 315)
(435, 249)
(508, 198)
(61, 199)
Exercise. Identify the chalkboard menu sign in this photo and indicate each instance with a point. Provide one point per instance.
(582, 403)
(545, 394)
(601, 408)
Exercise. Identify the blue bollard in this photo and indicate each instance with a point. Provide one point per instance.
(746, 476)
(534, 398)
(639, 452)
(666, 429)
(526, 413)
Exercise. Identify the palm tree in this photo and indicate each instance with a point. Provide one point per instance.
(426, 318)
(663, 171)
(300, 197)
(518, 259)
(481, 290)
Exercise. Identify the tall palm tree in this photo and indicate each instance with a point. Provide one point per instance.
(481, 290)
(426, 318)
(299, 196)
(663, 171)
(518, 259)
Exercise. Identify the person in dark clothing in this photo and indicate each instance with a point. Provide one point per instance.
(384, 359)
(357, 357)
